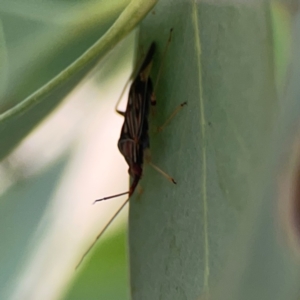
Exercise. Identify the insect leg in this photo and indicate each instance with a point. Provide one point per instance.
(174, 113)
(153, 96)
(132, 76)
(162, 60)
(147, 157)
(102, 232)
(122, 113)
(171, 179)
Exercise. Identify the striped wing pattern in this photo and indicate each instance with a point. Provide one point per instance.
(134, 134)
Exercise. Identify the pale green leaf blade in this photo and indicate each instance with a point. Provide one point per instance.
(220, 61)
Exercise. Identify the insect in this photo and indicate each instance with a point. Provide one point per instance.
(134, 139)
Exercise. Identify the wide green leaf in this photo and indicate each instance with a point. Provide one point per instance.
(220, 61)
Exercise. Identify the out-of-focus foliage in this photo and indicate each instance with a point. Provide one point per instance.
(37, 96)
(106, 274)
(39, 49)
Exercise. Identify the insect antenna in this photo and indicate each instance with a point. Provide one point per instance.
(110, 197)
(103, 230)
(162, 60)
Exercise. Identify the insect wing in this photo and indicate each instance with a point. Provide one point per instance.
(130, 151)
(129, 142)
(136, 110)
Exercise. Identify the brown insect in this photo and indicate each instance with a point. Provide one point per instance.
(134, 138)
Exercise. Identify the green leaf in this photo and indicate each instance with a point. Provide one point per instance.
(220, 61)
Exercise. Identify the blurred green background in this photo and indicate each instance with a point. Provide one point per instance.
(39, 208)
